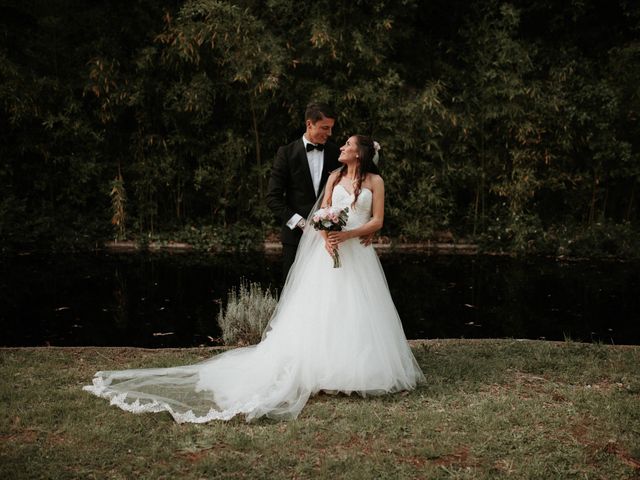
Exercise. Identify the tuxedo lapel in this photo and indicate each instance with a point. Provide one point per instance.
(330, 163)
(326, 170)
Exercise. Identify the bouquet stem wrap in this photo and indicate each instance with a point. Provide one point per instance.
(336, 258)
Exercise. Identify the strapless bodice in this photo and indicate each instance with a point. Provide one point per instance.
(360, 213)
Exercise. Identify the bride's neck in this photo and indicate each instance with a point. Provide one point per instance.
(351, 172)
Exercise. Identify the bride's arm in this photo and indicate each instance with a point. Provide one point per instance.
(377, 216)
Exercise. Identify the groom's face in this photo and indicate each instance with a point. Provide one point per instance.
(320, 131)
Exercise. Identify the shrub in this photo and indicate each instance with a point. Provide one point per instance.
(247, 314)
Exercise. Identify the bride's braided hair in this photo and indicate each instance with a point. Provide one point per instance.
(366, 151)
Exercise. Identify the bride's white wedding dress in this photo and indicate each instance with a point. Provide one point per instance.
(334, 329)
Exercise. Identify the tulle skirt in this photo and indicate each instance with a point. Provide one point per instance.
(334, 329)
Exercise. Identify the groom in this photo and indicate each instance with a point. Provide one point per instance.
(299, 174)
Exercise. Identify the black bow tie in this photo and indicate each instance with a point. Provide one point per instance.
(311, 146)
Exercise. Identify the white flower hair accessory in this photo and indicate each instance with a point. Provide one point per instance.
(376, 155)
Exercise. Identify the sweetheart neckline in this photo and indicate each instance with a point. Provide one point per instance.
(351, 194)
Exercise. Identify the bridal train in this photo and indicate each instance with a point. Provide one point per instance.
(334, 329)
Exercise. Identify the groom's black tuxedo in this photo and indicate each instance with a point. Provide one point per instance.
(290, 188)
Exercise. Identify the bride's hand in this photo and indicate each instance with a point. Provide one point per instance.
(335, 238)
(330, 247)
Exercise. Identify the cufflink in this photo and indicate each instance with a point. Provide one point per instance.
(302, 223)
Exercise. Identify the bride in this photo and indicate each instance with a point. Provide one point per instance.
(333, 330)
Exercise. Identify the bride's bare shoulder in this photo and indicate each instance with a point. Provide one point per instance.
(374, 181)
(333, 176)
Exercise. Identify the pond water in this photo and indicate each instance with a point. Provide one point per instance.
(172, 300)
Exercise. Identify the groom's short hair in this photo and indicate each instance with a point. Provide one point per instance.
(318, 111)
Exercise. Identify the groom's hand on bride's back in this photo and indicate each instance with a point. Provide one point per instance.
(367, 240)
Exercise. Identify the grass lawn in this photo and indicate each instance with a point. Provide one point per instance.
(490, 409)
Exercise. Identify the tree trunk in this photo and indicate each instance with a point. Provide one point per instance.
(258, 153)
(630, 205)
(592, 207)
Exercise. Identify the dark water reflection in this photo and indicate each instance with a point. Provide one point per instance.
(162, 300)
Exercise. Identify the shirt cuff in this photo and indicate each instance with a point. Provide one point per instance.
(293, 221)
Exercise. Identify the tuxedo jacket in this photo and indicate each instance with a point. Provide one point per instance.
(290, 188)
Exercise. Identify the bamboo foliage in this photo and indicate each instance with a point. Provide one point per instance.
(118, 206)
(509, 124)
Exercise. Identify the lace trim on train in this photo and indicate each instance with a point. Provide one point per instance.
(100, 388)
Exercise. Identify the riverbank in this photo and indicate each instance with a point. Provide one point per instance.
(269, 247)
(489, 409)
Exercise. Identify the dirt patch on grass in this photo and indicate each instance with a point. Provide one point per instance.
(613, 448)
(23, 436)
(459, 458)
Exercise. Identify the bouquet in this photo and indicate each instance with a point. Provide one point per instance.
(331, 219)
